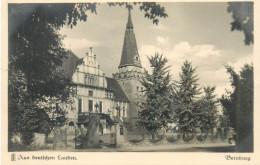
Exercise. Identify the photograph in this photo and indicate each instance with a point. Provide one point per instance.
(130, 77)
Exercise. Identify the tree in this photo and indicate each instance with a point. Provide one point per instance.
(243, 15)
(35, 56)
(155, 112)
(231, 100)
(239, 106)
(208, 110)
(185, 99)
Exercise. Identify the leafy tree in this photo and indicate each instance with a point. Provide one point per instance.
(208, 110)
(239, 106)
(185, 99)
(243, 15)
(35, 56)
(155, 112)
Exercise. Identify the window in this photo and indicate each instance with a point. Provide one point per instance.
(80, 105)
(142, 92)
(125, 75)
(136, 58)
(90, 93)
(137, 89)
(71, 126)
(90, 105)
(100, 107)
(121, 130)
(124, 115)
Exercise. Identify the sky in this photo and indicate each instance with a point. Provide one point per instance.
(197, 32)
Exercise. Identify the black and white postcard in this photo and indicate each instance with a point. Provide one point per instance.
(129, 82)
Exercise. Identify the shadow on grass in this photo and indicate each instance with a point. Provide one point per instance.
(196, 149)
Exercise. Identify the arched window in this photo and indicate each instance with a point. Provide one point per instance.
(71, 125)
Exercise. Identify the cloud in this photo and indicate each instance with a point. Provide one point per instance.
(163, 41)
(79, 43)
(208, 59)
(239, 63)
(160, 26)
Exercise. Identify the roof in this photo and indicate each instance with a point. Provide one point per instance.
(129, 24)
(113, 85)
(69, 64)
(130, 51)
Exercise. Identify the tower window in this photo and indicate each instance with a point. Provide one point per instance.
(124, 115)
(136, 58)
(118, 111)
(137, 89)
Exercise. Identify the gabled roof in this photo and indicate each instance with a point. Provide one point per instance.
(69, 64)
(113, 85)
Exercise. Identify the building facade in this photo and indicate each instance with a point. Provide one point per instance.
(114, 99)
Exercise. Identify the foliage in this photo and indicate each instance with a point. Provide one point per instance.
(35, 60)
(230, 102)
(239, 106)
(152, 10)
(224, 120)
(243, 15)
(155, 112)
(208, 110)
(185, 99)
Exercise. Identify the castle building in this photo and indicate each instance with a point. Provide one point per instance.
(114, 99)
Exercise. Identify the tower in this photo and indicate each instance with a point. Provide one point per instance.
(130, 72)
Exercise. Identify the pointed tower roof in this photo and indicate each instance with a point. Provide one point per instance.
(129, 24)
(130, 56)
